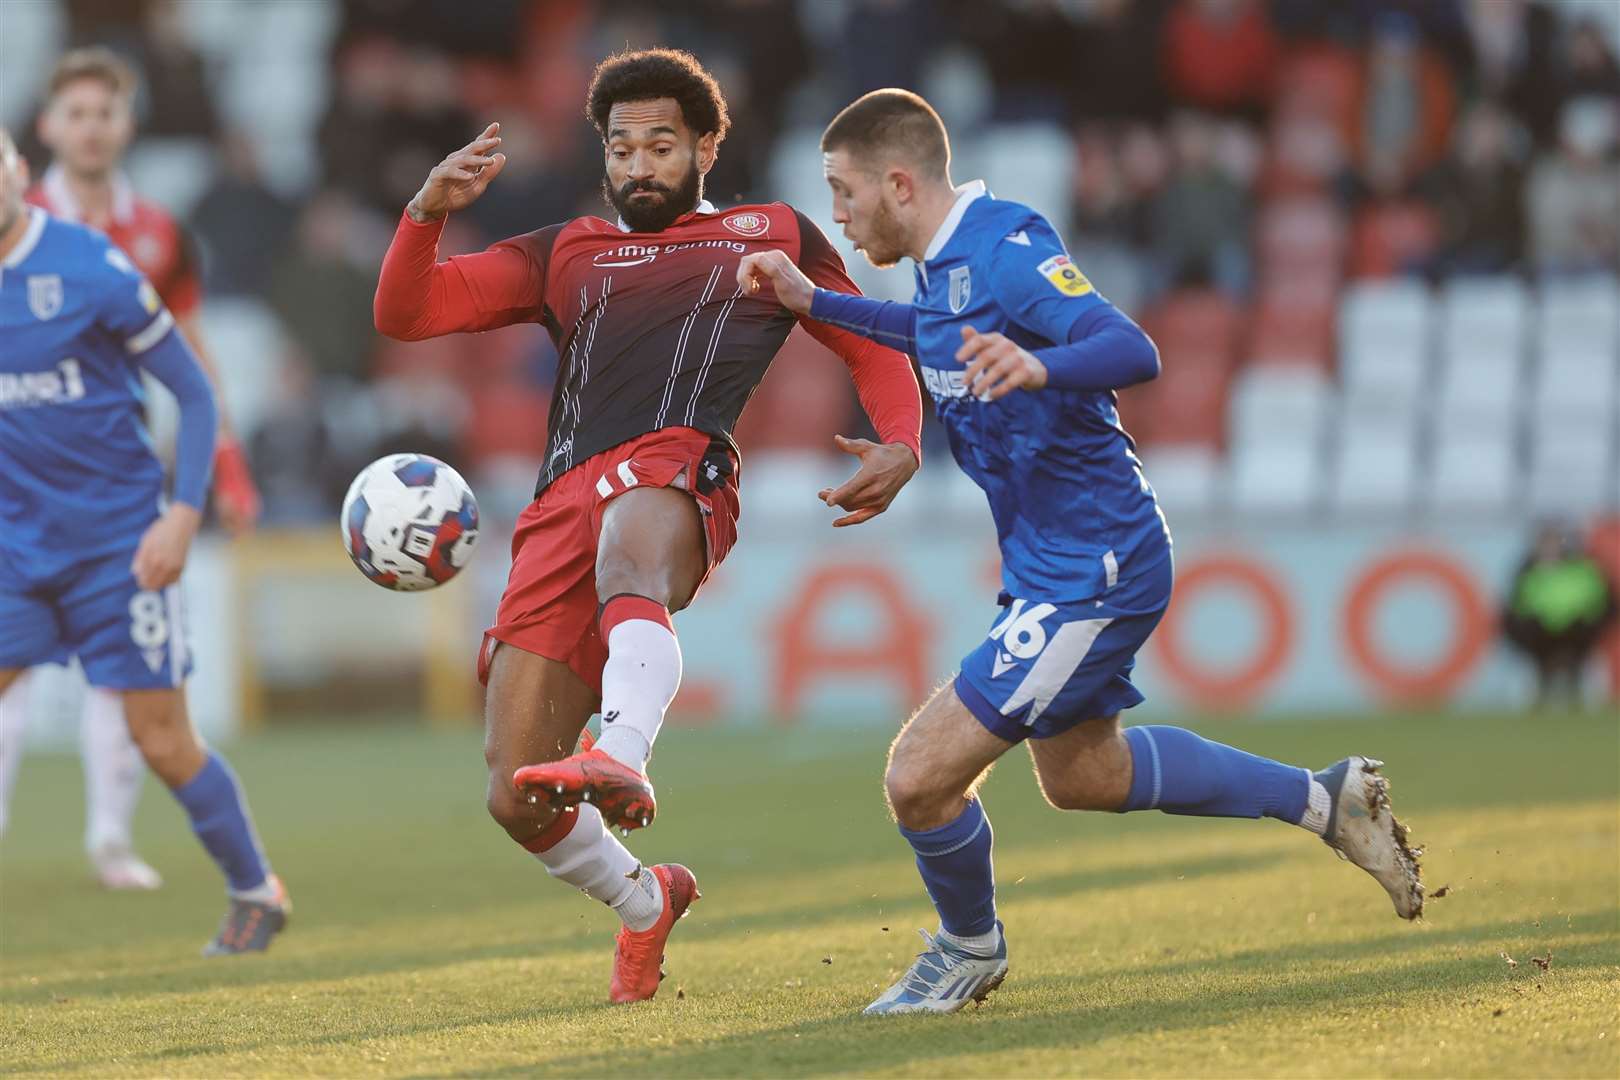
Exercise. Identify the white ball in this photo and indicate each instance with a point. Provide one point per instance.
(409, 522)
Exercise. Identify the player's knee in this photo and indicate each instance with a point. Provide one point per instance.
(915, 797)
(513, 813)
(165, 746)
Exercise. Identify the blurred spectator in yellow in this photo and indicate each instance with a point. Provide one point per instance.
(1558, 607)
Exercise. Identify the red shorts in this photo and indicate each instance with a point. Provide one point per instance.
(550, 604)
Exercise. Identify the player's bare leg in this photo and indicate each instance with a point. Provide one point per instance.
(650, 559)
(13, 727)
(935, 767)
(1087, 767)
(534, 712)
(208, 790)
(1093, 766)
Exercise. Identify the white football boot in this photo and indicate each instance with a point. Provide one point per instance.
(1363, 830)
(944, 979)
(120, 868)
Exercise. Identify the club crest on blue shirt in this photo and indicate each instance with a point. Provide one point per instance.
(44, 295)
(961, 289)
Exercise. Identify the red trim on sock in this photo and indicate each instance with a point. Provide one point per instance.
(552, 834)
(627, 606)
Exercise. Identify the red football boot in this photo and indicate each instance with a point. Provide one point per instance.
(638, 955)
(623, 795)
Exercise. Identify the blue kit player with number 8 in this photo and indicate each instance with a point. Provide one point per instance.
(1022, 358)
(90, 550)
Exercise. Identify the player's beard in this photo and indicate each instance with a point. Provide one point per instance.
(654, 215)
(886, 243)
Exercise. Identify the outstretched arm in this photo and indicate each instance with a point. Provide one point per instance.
(883, 321)
(883, 378)
(420, 297)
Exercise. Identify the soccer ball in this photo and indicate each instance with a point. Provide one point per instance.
(409, 522)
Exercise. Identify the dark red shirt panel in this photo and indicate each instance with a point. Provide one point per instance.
(651, 329)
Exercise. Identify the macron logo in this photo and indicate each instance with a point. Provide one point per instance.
(1021, 238)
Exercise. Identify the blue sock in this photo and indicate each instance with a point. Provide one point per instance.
(1179, 772)
(954, 861)
(219, 816)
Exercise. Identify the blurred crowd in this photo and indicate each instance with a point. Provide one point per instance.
(1257, 154)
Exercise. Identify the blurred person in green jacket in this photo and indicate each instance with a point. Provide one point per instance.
(1558, 607)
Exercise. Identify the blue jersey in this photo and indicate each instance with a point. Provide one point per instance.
(78, 477)
(1073, 511)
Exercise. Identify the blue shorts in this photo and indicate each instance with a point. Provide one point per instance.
(1046, 667)
(126, 637)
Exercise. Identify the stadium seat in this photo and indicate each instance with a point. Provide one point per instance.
(31, 37)
(1266, 483)
(1575, 388)
(1375, 468)
(250, 342)
(1481, 389)
(1582, 313)
(1280, 409)
(1293, 325)
(1475, 470)
(1483, 320)
(508, 420)
(1392, 238)
(1572, 470)
(1029, 163)
(1196, 331)
(174, 173)
(1300, 234)
(804, 399)
(1385, 332)
(1187, 478)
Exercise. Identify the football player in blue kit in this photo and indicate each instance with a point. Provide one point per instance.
(1022, 358)
(90, 550)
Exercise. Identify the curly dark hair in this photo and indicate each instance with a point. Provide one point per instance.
(645, 74)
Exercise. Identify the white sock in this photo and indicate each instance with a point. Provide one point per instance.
(644, 902)
(978, 945)
(592, 860)
(639, 680)
(1317, 808)
(13, 728)
(113, 772)
(267, 893)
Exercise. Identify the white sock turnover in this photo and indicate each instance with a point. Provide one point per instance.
(592, 860)
(1317, 808)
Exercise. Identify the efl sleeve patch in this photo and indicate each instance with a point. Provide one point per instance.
(1065, 277)
(148, 297)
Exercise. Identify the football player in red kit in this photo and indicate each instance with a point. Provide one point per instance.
(87, 123)
(637, 501)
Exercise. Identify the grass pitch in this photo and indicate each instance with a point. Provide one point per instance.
(424, 943)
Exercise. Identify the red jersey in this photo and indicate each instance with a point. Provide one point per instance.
(651, 329)
(144, 231)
